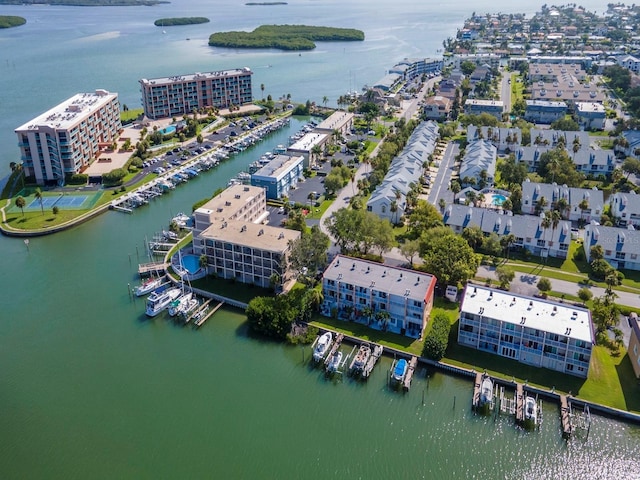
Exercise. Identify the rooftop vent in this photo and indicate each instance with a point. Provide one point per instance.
(281, 236)
(353, 266)
(530, 304)
(244, 228)
(261, 232)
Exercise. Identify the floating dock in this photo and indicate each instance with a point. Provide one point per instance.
(200, 321)
(199, 311)
(373, 359)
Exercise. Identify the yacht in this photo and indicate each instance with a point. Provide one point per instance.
(486, 390)
(147, 286)
(179, 303)
(159, 301)
(322, 346)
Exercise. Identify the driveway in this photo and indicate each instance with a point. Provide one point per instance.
(440, 185)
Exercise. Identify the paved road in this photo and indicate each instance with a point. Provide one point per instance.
(440, 185)
(505, 91)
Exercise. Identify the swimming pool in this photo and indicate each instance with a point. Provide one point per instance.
(498, 199)
(168, 130)
(191, 263)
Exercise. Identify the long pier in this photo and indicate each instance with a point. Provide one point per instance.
(200, 321)
(151, 267)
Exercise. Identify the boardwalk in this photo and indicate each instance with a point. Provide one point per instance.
(519, 403)
(334, 348)
(151, 267)
(406, 381)
(565, 416)
(373, 359)
(201, 320)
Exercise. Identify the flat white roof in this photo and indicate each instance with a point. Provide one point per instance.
(280, 165)
(335, 121)
(196, 76)
(71, 111)
(306, 143)
(508, 307)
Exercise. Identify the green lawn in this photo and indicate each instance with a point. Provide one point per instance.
(316, 212)
(234, 290)
(130, 115)
(393, 340)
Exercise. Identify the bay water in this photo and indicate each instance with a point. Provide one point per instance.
(90, 388)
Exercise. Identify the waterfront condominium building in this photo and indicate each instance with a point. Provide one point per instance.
(229, 231)
(382, 297)
(65, 139)
(279, 176)
(182, 94)
(530, 330)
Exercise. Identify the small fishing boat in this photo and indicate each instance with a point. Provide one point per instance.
(400, 370)
(322, 346)
(530, 410)
(361, 358)
(334, 364)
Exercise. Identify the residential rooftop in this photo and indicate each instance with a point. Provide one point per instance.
(507, 307)
(196, 76)
(279, 165)
(248, 234)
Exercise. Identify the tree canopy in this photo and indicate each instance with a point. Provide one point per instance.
(359, 231)
(448, 256)
(556, 166)
(308, 254)
(437, 340)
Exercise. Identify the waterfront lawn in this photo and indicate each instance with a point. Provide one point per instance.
(234, 290)
(629, 382)
(603, 384)
(387, 339)
(130, 115)
(35, 220)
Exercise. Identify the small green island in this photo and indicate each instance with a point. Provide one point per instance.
(86, 3)
(8, 21)
(168, 22)
(266, 3)
(285, 37)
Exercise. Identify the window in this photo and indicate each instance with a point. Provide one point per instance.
(540, 243)
(620, 255)
(383, 209)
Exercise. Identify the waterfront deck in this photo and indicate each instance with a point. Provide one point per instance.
(151, 267)
(373, 359)
(200, 321)
(406, 381)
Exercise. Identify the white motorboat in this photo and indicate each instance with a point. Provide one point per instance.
(189, 307)
(147, 286)
(322, 346)
(159, 301)
(486, 390)
(531, 410)
(334, 364)
(179, 303)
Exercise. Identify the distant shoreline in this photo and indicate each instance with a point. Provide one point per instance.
(86, 3)
(266, 3)
(169, 22)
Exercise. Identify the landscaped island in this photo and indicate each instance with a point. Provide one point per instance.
(167, 22)
(284, 37)
(266, 3)
(8, 21)
(85, 3)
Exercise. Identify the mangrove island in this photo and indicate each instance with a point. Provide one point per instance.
(8, 21)
(86, 3)
(284, 37)
(168, 22)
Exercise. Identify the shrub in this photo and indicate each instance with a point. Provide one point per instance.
(77, 179)
(544, 285)
(435, 344)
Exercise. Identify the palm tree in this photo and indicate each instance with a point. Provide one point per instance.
(262, 88)
(316, 151)
(545, 223)
(455, 188)
(325, 100)
(314, 297)
(562, 205)
(442, 204)
(20, 203)
(506, 241)
(583, 205)
(383, 316)
(540, 205)
(393, 208)
(367, 312)
(38, 195)
(203, 262)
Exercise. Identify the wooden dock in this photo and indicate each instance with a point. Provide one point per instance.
(565, 416)
(199, 322)
(334, 348)
(475, 400)
(373, 359)
(151, 267)
(519, 403)
(198, 311)
(406, 381)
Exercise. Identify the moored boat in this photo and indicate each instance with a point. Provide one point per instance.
(179, 303)
(486, 390)
(159, 301)
(334, 364)
(531, 410)
(322, 346)
(147, 286)
(361, 358)
(400, 370)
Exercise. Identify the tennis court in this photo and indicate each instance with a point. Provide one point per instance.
(64, 201)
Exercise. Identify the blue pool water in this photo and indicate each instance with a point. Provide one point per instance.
(168, 130)
(191, 263)
(498, 199)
